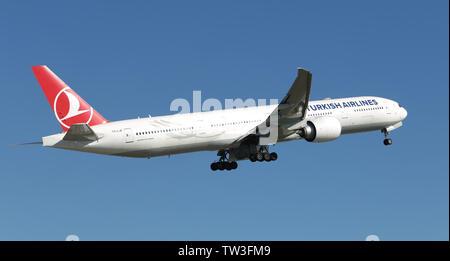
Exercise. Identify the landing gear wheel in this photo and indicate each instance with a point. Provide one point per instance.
(387, 141)
(224, 163)
(214, 166)
(267, 157)
(273, 156)
(259, 156)
(220, 165)
(234, 165)
(228, 166)
(252, 157)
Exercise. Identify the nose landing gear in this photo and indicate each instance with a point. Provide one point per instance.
(387, 141)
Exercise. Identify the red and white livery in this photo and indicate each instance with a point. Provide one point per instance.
(237, 134)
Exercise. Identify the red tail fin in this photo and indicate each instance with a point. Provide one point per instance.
(69, 108)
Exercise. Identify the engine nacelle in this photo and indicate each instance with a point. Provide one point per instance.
(321, 129)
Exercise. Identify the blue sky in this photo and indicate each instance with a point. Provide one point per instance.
(130, 59)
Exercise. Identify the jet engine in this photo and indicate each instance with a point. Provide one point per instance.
(321, 129)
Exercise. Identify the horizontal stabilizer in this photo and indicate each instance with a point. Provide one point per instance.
(80, 132)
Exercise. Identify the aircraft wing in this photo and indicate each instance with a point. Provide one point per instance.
(295, 103)
(291, 110)
(80, 132)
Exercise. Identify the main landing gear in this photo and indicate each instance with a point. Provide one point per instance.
(387, 141)
(263, 155)
(224, 162)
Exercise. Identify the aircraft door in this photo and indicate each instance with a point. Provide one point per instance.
(128, 135)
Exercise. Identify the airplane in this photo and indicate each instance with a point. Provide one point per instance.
(236, 134)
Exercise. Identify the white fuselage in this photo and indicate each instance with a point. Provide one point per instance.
(215, 130)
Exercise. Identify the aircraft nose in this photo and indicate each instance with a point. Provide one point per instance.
(403, 113)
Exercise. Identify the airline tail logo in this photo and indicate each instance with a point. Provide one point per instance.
(69, 108)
